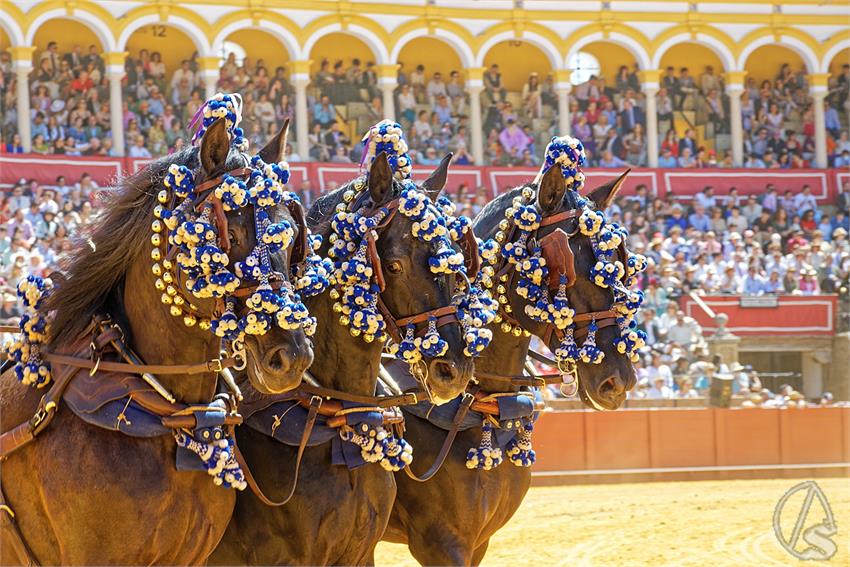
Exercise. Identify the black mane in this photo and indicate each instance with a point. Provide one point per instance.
(119, 235)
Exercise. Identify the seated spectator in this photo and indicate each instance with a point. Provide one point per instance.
(324, 112)
(513, 139)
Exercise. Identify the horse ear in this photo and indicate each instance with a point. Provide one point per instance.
(603, 195)
(380, 179)
(435, 183)
(215, 145)
(276, 147)
(552, 189)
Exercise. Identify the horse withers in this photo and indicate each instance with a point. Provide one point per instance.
(450, 519)
(339, 511)
(82, 494)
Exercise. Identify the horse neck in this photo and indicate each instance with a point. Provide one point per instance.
(504, 357)
(341, 361)
(160, 338)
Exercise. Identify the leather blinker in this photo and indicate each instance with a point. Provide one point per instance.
(469, 245)
(300, 248)
(555, 249)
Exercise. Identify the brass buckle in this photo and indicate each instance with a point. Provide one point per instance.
(414, 396)
(41, 414)
(96, 357)
(215, 365)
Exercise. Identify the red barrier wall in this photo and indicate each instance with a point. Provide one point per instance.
(796, 315)
(661, 438)
(684, 183)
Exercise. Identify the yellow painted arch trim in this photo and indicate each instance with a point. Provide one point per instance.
(17, 16)
(427, 24)
(345, 20)
(519, 27)
(756, 35)
(607, 28)
(69, 8)
(257, 17)
(165, 10)
(686, 29)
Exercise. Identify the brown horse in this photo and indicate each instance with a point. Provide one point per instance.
(450, 519)
(88, 496)
(337, 515)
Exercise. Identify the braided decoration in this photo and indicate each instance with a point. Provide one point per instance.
(229, 107)
(377, 445)
(568, 154)
(433, 223)
(519, 449)
(205, 264)
(485, 456)
(25, 350)
(218, 457)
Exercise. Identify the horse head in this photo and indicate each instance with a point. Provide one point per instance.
(564, 290)
(276, 359)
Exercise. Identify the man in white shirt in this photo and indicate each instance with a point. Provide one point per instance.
(805, 201)
(435, 89)
(184, 72)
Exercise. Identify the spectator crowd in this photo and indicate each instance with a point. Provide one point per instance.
(70, 111)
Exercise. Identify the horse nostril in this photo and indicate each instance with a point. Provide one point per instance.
(612, 386)
(278, 360)
(444, 369)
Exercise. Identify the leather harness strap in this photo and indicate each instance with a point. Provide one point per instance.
(312, 415)
(19, 545)
(465, 403)
(215, 365)
(565, 215)
(408, 398)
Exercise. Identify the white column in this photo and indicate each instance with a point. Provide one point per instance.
(651, 112)
(23, 67)
(388, 92)
(563, 109)
(116, 120)
(209, 71)
(736, 123)
(734, 89)
(387, 83)
(299, 76)
(649, 79)
(476, 124)
(302, 113)
(820, 128)
(563, 86)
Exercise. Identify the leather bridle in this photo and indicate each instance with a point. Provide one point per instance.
(207, 197)
(560, 262)
(396, 326)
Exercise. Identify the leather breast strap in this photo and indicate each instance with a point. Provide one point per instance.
(19, 545)
(465, 404)
(312, 415)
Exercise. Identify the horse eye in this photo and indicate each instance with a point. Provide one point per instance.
(395, 267)
(232, 235)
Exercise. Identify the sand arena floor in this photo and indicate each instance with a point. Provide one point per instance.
(659, 524)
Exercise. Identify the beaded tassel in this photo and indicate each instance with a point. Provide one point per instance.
(519, 449)
(218, 457)
(590, 353)
(30, 369)
(485, 456)
(431, 345)
(568, 350)
(398, 453)
(369, 439)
